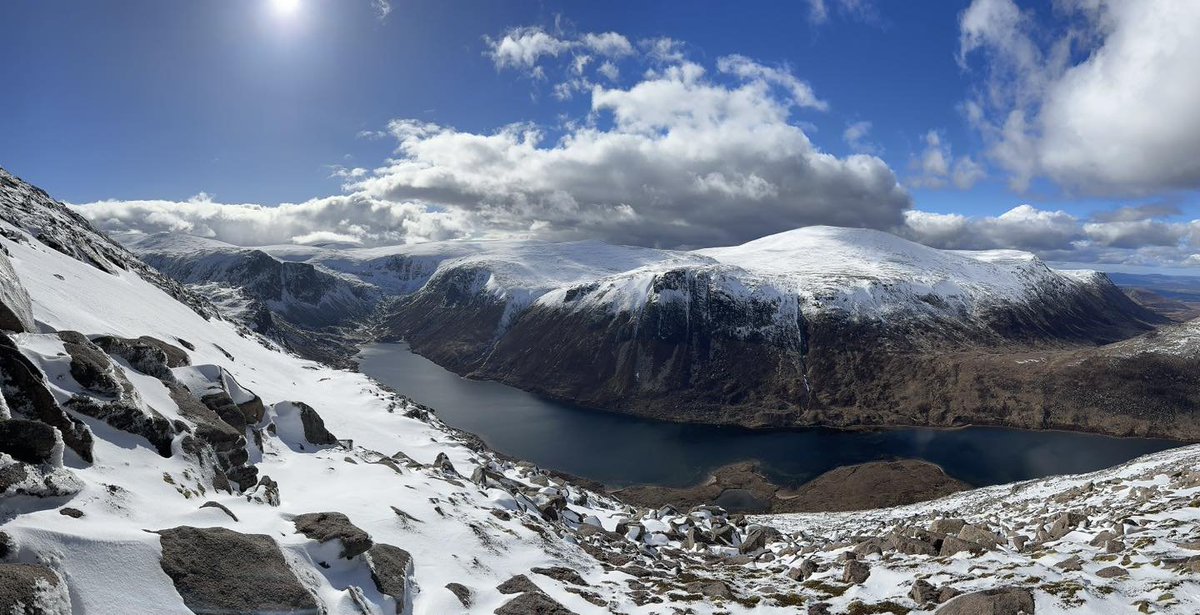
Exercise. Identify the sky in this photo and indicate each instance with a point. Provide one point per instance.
(1070, 129)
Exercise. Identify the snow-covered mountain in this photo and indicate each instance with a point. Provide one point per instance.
(819, 325)
(156, 457)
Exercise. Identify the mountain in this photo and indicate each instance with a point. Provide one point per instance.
(815, 326)
(157, 457)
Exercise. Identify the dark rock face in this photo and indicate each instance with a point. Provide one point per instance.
(999, 601)
(227, 442)
(518, 584)
(391, 569)
(217, 570)
(91, 368)
(24, 588)
(28, 441)
(699, 354)
(314, 426)
(326, 526)
(129, 418)
(26, 394)
(461, 592)
(16, 314)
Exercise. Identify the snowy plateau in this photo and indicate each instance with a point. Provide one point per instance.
(161, 454)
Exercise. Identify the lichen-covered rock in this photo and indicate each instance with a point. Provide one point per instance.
(36, 480)
(326, 526)
(216, 570)
(29, 589)
(999, 601)
(533, 603)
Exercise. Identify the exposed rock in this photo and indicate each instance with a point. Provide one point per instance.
(442, 462)
(533, 603)
(1071, 564)
(41, 481)
(1065, 524)
(978, 535)
(326, 526)
(461, 592)
(560, 573)
(26, 394)
(129, 418)
(16, 314)
(30, 441)
(146, 354)
(91, 368)
(314, 426)
(947, 526)
(221, 507)
(923, 592)
(1112, 572)
(74, 513)
(216, 570)
(517, 584)
(954, 544)
(757, 538)
(999, 601)
(29, 589)
(391, 570)
(710, 588)
(855, 572)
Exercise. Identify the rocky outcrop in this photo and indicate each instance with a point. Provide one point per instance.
(741, 487)
(30, 441)
(217, 570)
(92, 368)
(30, 589)
(146, 354)
(391, 570)
(27, 395)
(16, 314)
(326, 526)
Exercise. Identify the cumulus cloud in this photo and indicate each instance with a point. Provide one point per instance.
(936, 166)
(683, 159)
(1142, 235)
(354, 219)
(1104, 104)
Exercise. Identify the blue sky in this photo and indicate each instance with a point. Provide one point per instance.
(252, 102)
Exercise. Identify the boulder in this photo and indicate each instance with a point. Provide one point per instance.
(1112, 572)
(978, 535)
(30, 441)
(1071, 564)
(911, 546)
(442, 462)
(947, 526)
(999, 601)
(954, 544)
(855, 572)
(391, 570)
(221, 507)
(533, 603)
(1065, 524)
(709, 588)
(561, 573)
(461, 592)
(325, 526)
(216, 570)
(806, 569)
(757, 538)
(16, 313)
(314, 427)
(923, 592)
(29, 589)
(518, 584)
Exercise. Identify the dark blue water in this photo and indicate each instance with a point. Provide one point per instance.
(621, 450)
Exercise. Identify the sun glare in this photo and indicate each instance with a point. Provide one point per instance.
(285, 7)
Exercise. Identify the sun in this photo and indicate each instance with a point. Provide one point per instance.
(285, 7)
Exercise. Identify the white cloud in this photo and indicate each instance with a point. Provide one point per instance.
(608, 44)
(855, 136)
(936, 166)
(523, 47)
(819, 10)
(1105, 104)
(344, 219)
(749, 70)
(383, 8)
(1139, 235)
